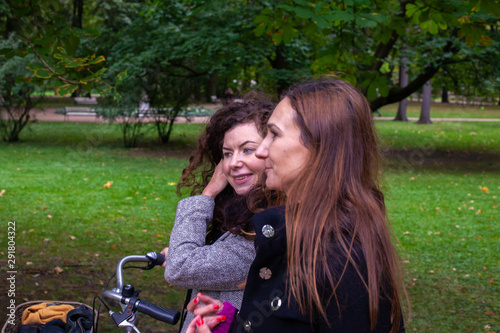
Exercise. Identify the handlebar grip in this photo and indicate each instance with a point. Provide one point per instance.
(168, 316)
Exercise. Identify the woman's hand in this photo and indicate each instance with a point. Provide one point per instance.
(164, 252)
(198, 325)
(217, 183)
(207, 309)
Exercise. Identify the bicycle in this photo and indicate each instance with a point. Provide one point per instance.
(127, 296)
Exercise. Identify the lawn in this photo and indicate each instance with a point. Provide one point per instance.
(441, 182)
(440, 110)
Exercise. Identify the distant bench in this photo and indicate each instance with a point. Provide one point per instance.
(85, 100)
(80, 111)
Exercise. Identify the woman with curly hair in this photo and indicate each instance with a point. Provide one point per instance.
(211, 245)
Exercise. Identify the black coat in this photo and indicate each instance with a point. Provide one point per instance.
(265, 305)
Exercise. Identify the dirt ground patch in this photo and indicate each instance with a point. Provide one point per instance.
(463, 161)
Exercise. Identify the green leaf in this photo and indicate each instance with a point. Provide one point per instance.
(121, 76)
(433, 27)
(412, 10)
(260, 30)
(71, 44)
(339, 15)
(382, 86)
(385, 68)
(36, 65)
(43, 73)
(66, 89)
(287, 34)
(323, 23)
(98, 60)
(364, 23)
(261, 19)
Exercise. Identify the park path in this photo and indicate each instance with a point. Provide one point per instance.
(49, 114)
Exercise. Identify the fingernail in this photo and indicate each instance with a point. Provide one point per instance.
(195, 300)
(223, 318)
(200, 294)
(199, 321)
(218, 319)
(216, 306)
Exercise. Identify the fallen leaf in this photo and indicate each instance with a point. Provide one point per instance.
(44, 207)
(72, 237)
(489, 313)
(172, 184)
(108, 184)
(28, 263)
(49, 216)
(57, 270)
(2, 192)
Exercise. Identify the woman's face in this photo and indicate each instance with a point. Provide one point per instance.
(282, 150)
(239, 164)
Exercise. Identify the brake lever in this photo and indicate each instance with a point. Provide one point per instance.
(122, 319)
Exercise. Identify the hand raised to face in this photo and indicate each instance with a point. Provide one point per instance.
(217, 183)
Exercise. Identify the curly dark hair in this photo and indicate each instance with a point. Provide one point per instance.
(232, 212)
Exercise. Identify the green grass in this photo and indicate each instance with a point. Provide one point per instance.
(439, 110)
(441, 182)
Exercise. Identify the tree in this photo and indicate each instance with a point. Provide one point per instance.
(15, 94)
(362, 40)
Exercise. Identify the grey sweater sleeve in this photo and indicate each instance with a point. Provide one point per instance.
(190, 263)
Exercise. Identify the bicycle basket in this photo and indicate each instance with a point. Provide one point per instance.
(9, 328)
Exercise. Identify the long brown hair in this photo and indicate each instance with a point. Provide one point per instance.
(231, 212)
(336, 199)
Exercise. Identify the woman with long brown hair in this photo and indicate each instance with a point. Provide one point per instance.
(325, 261)
(211, 246)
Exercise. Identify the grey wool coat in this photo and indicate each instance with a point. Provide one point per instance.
(217, 269)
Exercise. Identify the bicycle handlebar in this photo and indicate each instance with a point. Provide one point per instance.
(157, 312)
(168, 316)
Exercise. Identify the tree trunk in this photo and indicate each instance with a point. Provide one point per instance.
(425, 111)
(403, 82)
(280, 63)
(444, 96)
(78, 13)
(211, 86)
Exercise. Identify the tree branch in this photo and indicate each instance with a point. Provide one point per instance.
(397, 94)
(34, 50)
